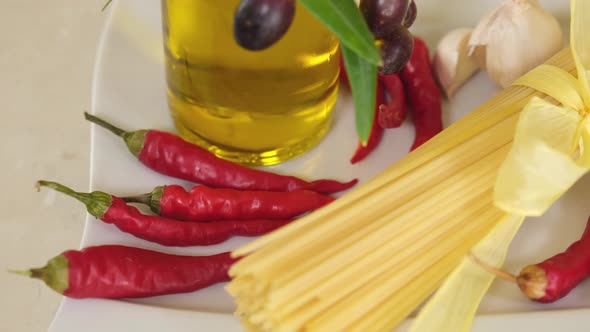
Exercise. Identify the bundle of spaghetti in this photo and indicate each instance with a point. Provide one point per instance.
(366, 261)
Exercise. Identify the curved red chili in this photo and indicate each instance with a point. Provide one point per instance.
(555, 277)
(115, 271)
(167, 232)
(202, 203)
(423, 94)
(392, 114)
(169, 154)
(376, 134)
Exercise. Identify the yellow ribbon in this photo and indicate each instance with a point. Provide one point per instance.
(550, 152)
(551, 148)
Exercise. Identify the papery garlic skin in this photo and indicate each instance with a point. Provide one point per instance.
(452, 64)
(518, 36)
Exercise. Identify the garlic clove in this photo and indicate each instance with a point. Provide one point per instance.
(478, 53)
(452, 64)
(484, 29)
(480, 35)
(517, 36)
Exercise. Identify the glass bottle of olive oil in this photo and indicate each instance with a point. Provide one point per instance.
(252, 107)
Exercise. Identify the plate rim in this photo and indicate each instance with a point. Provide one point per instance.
(547, 320)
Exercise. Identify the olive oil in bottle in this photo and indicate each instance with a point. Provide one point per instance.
(252, 107)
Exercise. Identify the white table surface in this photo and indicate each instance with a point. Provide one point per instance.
(47, 51)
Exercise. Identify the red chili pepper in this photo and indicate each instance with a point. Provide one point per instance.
(423, 94)
(202, 203)
(392, 114)
(171, 155)
(167, 232)
(115, 271)
(555, 277)
(376, 134)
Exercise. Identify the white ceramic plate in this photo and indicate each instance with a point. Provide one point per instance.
(129, 89)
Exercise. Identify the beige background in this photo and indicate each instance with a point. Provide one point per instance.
(47, 51)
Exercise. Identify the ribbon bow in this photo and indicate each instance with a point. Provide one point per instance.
(551, 148)
(550, 152)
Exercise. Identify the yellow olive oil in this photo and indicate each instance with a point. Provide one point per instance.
(252, 107)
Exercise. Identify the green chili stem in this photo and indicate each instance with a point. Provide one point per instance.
(26, 273)
(54, 274)
(106, 5)
(97, 202)
(38, 273)
(82, 197)
(141, 199)
(98, 121)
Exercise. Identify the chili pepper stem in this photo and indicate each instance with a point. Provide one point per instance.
(26, 273)
(493, 270)
(150, 199)
(106, 5)
(84, 198)
(134, 139)
(96, 202)
(140, 199)
(38, 273)
(54, 274)
(112, 128)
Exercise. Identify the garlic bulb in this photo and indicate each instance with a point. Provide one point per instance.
(518, 36)
(452, 64)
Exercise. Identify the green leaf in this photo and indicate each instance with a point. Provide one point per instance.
(345, 20)
(362, 76)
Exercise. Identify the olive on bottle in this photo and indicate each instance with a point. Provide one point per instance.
(384, 16)
(396, 50)
(410, 15)
(258, 24)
